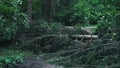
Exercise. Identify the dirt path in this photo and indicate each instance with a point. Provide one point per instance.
(36, 62)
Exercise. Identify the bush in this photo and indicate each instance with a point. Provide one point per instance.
(90, 12)
(11, 18)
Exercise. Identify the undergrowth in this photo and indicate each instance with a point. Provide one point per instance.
(99, 54)
(9, 56)
(63, 50)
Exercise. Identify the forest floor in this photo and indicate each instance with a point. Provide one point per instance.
(36, 62)
(16, 58)
(11, 55)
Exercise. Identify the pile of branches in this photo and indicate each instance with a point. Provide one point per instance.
(98, 54)
(64, 50)
(41, 37)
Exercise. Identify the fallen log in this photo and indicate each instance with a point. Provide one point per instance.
(84, 29)
(86, 36)
(74, 36)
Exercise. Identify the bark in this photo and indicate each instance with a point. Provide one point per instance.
(74, 36)
(30, 11)
(48, 9)
(52, 10)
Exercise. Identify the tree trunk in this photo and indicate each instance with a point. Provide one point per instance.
(30, 11)
(52, 10)
(48, 9)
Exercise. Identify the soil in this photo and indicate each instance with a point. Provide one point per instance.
(36, 62)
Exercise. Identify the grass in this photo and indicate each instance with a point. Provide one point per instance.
(10, 55)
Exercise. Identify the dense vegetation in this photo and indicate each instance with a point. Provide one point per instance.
(10, 18)
(47, 27)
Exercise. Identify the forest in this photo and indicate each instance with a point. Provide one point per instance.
(59, 34)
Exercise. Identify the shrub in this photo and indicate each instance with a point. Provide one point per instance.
(91, 11)
(11, 18)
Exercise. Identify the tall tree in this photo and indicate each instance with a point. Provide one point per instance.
(45, 8)
(52, 10)
(30, 10)
(48, 9)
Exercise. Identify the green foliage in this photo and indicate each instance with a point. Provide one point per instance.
(11, 18)
(10, 55)
(91, 12)
(6, 9)
(37, 10)
(76, 11)
(7, 29)
(103, 13)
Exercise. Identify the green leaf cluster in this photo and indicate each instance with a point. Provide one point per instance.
(11, 18)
